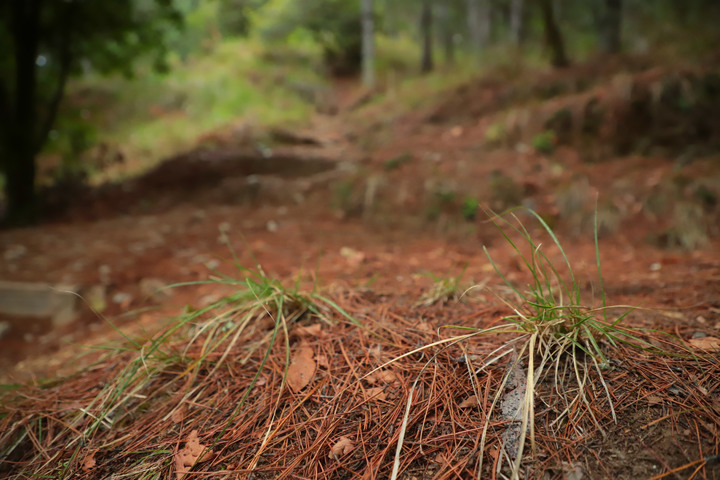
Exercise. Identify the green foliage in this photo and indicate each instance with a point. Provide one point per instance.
(495, 133)
(236, 16)
(152, 116)
(395, 162)
(470, 208)
(334, 24)
(544, 142)
(443, 290)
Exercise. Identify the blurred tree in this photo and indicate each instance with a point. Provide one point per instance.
(553, 36)
(450, 15)
(43, 43)
(368, 43)
(235, 16)
(335, 24)
(446, 32)
(610, 23)
(516, 21)
(479, 18)
(426, 18)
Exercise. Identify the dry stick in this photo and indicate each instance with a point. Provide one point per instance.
(528, 411)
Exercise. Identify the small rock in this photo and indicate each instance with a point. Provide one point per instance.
(104, 274)
(154, 288)
(655, 267)
(4, 328)
(122, 298)
(14, 252)
(96, 297)
(272, 226)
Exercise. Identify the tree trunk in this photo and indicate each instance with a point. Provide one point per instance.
(368, 44)
(553, 35)
(479, 23)
(446, 32)
(20, 142)
(485, 22)
(426, 64)
(516, 17)
(611, 26)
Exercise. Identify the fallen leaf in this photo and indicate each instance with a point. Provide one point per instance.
(89, 462)
(375, 393)
(322, 361)
(193, 452)
(178, 415)
(494, 453)
(574, 472)
(705, 343)
(301, 369)
(384, 376)
(354, 257)
(314, 330)
(342, 447)
(425, 327)
(470, 402)
(654, 400)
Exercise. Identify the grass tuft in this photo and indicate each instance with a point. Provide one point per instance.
(553, 330)
(177, 365)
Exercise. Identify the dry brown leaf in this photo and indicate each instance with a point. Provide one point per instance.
(382, 376)
(654, 400)
(302, 368)
(89, 462)
(193, 452)
(322, 361)
(470, 402)
(375, 393)
(342, 447)
(178, 415)
(315, 330)
(425, 327)
(705, 343)
(354, 257)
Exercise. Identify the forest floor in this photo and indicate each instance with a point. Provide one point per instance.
(376, 214)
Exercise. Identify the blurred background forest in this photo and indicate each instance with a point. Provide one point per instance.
(93, 93)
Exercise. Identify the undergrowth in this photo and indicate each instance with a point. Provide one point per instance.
(556, 335)
(179, 359)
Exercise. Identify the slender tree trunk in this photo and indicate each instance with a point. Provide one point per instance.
(553, 35)
(516, 18)
(446, 32)
(479, 23)
(485, 21)
(426, 64)
(611, 26)
(20, 143)
(368, 44)
(473, 19)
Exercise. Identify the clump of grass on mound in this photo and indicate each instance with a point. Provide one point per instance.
(174, 368)
(553, 333)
